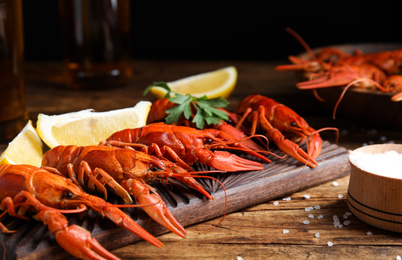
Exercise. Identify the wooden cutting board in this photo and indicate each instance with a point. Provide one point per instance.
(243, 189)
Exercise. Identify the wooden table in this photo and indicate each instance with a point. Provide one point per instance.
(262, 231)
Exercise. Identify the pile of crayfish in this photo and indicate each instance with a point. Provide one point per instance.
(71, 177)
(332, 67)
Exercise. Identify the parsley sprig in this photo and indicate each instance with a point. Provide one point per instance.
(207, 111)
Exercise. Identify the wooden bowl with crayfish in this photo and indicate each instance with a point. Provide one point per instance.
(368, 105)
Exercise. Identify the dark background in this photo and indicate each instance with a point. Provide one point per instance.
(235, 30)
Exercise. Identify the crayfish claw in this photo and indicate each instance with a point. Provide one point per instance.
(121, 219)
(226, 161)
(190, 181)
(296, 152)
(78, 242)
(74, 239)
(154, 206)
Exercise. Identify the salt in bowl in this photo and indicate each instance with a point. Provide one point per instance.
(375, 185)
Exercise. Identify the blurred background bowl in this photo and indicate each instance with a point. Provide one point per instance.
(369, 107)
(372, 197)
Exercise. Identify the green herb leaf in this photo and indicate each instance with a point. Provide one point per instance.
(207, 110)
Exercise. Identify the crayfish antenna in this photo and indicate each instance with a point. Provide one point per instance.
(302, 42)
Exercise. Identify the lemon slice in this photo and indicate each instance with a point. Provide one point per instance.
(25, 148)
(213, 84)
(87, 127)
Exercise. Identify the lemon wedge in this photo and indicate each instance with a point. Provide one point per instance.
(213, 84)
(87, 127)
(25, 148)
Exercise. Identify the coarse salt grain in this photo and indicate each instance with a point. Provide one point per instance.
(335, 183)
(320, 216)
(337, 222)
(330, 243)
(340, 196)
(317, 234)
(317, 207)
(308, 209)
(287, 198)
(388, 163)
(310, 215)
(346, 222)
(285, 231)
(276, 203)
(306, 222)
(398, 257)
(369, 233)
(239, 258)
(306, 196)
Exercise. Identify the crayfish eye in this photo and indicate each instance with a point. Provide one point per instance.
(208, 140)
(293, 124)
(153, 167)
(67, 194)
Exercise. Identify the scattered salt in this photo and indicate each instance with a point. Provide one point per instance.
(369, 233)
(276, 203)
(320, 216)
(317, 234)
(330, 243)
(287, 198)
(398, 257)
(306, 196)
(285, 231)
(335, 183)
(239, 258)
(337, 222)
(310, 215)
(317, 207)
(387, 164)
(346, 222)
(308, 209)
(306, 222)
(340, 196)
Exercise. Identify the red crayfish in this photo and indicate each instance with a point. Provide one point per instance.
(280, 122)
(46, 194)
(184, 145)
(332, 67)
(125, 172)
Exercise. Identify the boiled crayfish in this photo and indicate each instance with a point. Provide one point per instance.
(27, 189)
(332, 67)
(230, 136)
(184, 145)
(126, 172)
(279, 122)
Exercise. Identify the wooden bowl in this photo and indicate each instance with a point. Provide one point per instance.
(369, 107)
(374, 197)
